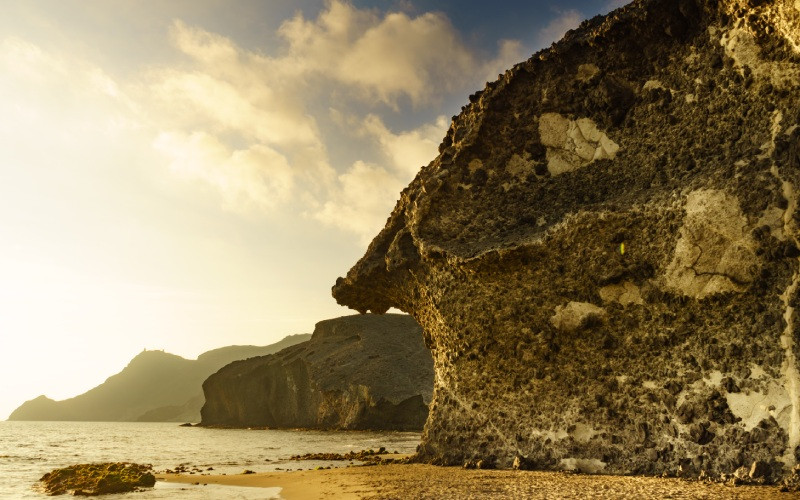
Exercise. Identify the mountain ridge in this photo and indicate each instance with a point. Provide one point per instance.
(153, 386)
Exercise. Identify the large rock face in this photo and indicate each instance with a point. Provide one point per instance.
(356, 372)
(604, 255)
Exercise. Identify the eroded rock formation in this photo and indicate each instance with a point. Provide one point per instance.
(356, 372)
(604, 255)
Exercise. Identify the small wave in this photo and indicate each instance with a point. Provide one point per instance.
(23, 458)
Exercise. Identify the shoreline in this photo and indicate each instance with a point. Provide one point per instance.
(430, 481)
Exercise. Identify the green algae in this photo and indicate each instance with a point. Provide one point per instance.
(98, 479)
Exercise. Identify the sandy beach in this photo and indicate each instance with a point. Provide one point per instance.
(400, 481)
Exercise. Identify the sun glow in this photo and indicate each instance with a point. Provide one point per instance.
(166, 184)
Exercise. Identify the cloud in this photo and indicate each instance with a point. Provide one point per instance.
(362, 201)
(245, 123)
(229, 89)
(559, 26)
(256, 139)
(27, 61)
(43, 88)
(252, 127)
(409, 150)
(257, 178)
(364, 195)
(509, 53)
(385, 58)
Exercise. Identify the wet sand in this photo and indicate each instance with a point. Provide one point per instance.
(399, 481)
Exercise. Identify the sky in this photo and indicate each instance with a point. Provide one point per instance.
(190, 174)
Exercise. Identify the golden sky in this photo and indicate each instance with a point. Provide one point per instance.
(197, 174)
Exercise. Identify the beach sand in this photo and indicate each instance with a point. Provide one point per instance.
(401, 481)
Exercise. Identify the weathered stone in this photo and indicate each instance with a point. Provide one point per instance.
(760, 469)
(791, 482)
(623, 293)
(576, 315)
(572, 144)
(522, 463)
(617, 293)
(98, 479)
(356, 372)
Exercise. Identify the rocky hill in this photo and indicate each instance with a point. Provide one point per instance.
(155, 387)
(356, 372)
(604, 255)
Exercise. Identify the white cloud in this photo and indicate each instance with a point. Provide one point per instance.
(255, 136)
(559, 26)
(42, 90)
(258, 178)
(509, 53)
(361, 203)
(202, 100)
(363, 197)
(385, 58)
(244, 122)
(409, 150)
(229, 89)
(28, 62)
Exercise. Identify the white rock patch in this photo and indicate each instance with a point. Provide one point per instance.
(652, 85)
(755, 406)
(521, 166)
(625, 293)
(583, 433)
(773, 217)
(572, 144)
(740, 45)
(715, 252)
(575, 315)
(585, 465)
(586, 72)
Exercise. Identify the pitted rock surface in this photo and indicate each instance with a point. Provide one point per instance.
(356, 372)
(604, 255)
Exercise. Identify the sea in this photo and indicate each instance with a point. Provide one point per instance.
(28, 450)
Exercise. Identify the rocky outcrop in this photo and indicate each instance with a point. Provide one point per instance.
(156, 386)
(604, 255)
(356, 372)
(98, 479)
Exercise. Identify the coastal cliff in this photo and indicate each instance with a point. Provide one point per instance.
(604, 255)
(356, 372)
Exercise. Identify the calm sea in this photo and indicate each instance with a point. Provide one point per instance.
(30, 449)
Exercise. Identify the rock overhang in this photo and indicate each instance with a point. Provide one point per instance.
(609, 235)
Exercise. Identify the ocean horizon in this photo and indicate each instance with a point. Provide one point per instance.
(28, 450)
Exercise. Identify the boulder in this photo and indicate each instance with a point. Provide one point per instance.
(604, 255)
(98, 479)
